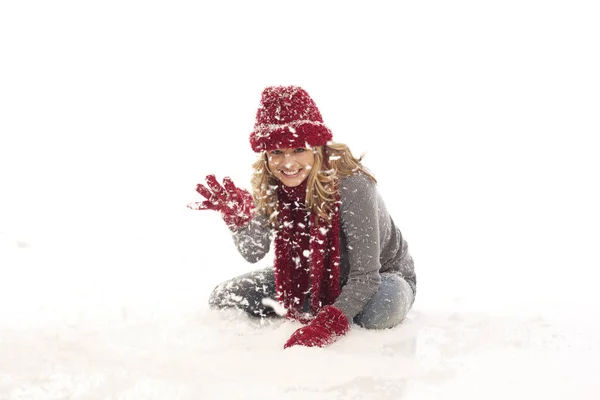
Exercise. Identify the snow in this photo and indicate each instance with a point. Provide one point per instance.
(477, 119)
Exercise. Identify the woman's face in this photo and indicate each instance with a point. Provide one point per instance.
(291, 165)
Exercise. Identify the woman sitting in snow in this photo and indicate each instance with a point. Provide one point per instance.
(339, 257)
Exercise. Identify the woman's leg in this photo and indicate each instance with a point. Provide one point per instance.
(389, 305)
(246, 292)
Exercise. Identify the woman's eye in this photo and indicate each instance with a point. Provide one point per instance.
(300, 150)
(275, 152)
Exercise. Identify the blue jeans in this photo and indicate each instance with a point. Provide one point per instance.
(386, 309)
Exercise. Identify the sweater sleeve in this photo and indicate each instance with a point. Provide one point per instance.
(359, 221)
(253, 240)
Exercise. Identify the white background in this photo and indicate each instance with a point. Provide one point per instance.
(479, 120)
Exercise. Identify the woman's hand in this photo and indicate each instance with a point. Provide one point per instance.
(327, 327)
(234, 204)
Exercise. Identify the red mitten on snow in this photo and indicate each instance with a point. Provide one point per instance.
(329, 325)
(234, 204)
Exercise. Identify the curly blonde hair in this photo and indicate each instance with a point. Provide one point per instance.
(332, 162)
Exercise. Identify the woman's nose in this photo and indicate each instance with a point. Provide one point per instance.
(289, 163)
(289, 160)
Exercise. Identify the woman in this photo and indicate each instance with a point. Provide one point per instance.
(339, 257)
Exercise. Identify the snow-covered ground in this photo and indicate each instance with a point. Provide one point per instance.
(478, 119)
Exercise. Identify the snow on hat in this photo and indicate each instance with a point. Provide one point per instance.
(287, 117)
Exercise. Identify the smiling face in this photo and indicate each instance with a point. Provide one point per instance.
(292, 165)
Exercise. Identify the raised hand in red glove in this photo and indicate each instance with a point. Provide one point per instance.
(329, 325)
(234, 204)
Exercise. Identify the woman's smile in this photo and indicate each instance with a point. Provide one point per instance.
(291, 173)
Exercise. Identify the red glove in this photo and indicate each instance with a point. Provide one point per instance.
(329, 324)
(234, 204)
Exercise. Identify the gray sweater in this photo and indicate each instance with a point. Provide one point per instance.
(370, 244)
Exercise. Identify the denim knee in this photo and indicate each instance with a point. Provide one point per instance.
(245, 293)
(389, 305)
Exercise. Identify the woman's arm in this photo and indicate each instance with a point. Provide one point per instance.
(250, 231)
(360, 220)
(254, 239)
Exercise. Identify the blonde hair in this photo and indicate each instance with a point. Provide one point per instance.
(332, 162)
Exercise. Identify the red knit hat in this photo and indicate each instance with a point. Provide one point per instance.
(287, 117)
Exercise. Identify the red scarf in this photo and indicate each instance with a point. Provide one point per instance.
(307, 254)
